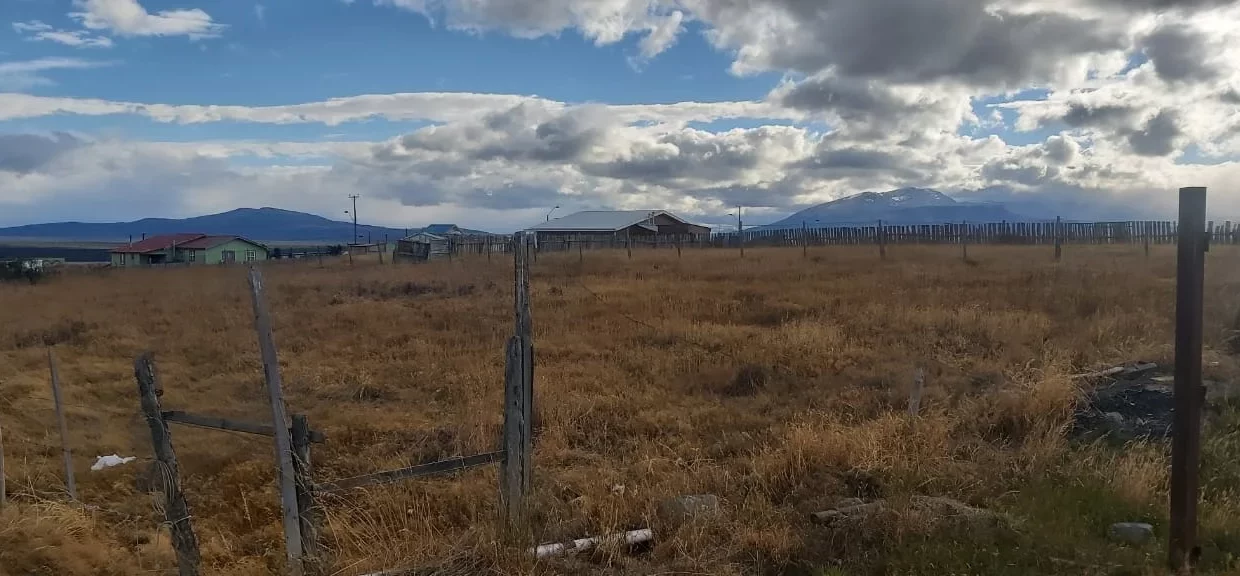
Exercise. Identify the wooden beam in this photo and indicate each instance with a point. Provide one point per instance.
(431, 469)
(70, 482)
(216, 423)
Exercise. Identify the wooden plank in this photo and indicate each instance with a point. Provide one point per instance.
(283, 445)
(176, 509)
(1058, 238)
(217, 423)
(421, 470)
(70, 481)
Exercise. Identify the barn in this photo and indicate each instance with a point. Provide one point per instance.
(618, 223)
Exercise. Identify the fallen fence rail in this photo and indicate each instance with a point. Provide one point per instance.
(418, 471)
(217, 423)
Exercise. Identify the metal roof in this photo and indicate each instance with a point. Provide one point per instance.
(441, 229)
(606, 220)
(208, 242)
(155, 243)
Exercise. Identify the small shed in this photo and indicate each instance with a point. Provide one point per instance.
(421, 247)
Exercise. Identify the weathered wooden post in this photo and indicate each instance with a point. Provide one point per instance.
(1146, 242)
(914, 396)
(804, 240)
(1058, 238)
(176, 509)
(279, 422)
(581, 256)
(306, 509)
(882, 241)
(516, 469)
(3, 494)
(70, 481)
(964, 241)
(1189, 393)
(628, 242)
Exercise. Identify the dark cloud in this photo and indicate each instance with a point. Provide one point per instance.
(1167, 4)
(850, 98)
(1178, 53)
(685, 155)
(1060, 149)
(1107, 115)
(1231, 96)
(1158, 136)
(971, 41)
(26, 153)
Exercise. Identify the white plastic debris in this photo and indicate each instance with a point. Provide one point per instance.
(581, 545)
(102, 462)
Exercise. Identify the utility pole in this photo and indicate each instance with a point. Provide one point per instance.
(354, 197)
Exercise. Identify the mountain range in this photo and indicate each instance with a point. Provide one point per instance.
(261, 224)
(903, 206)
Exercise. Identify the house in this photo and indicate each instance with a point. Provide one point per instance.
(421, 247)
(443, 230)
(189, 249)
(618, 223)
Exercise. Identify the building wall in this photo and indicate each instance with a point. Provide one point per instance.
(216, 255)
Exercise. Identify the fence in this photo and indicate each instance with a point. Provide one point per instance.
(298, 490)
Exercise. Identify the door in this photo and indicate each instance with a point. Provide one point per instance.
(228, 256)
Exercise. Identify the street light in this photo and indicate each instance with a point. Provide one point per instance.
(550, 211)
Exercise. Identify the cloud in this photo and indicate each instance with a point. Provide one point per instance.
(129, 18)
(1179, 53)
(25, 153)
(260, 12)
(22, 75)
(39, 31)
(1158, 136)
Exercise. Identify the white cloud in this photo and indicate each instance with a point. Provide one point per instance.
(129, 18)
(22, 75)
(260, 12)
(36, 30)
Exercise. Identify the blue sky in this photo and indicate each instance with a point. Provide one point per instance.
(490, 111)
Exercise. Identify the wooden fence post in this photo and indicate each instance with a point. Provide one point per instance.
(306, 509)
(804, 240)
(628, 242)
(882, 241)
(1189, 394)
(3, 494)
(279, 421)
(1058, 238)
(914, 397)
(1147, 245)
(70, 480)
(964, 241)
(517, 467)
(176, 509)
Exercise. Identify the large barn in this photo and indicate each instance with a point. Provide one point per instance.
(618, 223)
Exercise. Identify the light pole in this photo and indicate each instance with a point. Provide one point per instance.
(354, 197)
(550, 211)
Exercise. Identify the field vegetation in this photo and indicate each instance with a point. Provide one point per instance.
(778, 383)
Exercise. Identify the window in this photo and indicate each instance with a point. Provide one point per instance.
(193, 255)
(250, 256)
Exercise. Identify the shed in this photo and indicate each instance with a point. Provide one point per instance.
(421, 247)
(622, 222)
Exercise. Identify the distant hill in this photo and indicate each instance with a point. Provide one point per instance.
(262, 224)
(903, 206)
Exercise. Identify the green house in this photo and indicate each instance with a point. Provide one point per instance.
(193, 249)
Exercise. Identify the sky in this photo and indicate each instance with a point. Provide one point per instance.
(491, 113)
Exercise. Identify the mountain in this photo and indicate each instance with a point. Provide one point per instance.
(903, 206)
(262, 224)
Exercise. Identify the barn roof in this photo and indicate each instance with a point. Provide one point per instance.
(441, 229)
(602, 220)
(155, 243)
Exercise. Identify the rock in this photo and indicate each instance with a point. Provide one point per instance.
(1135, 533)
(1114, 420)
(681, 509)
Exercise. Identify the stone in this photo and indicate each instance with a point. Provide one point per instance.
(849, 509)
(1114, 420)
(1135, 533)
(682, 509)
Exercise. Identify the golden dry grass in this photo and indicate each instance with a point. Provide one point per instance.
(775, 382)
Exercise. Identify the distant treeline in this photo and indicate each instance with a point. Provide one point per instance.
(69, 254)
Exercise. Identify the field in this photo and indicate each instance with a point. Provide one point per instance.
(777, 383)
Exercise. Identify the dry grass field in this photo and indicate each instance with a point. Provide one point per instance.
(775, 382)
